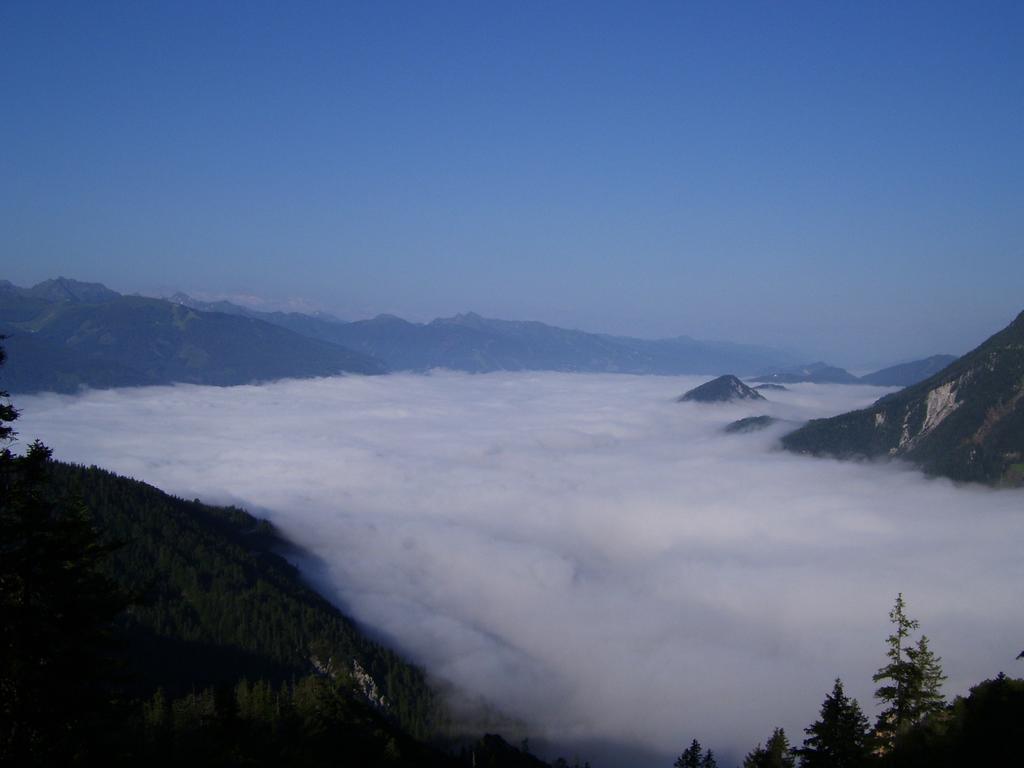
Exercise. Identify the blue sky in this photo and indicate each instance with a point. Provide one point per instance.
(843, 178)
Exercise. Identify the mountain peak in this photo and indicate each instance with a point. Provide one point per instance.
(386, 318)
(65, 289)
(469, 319)
(721, 390)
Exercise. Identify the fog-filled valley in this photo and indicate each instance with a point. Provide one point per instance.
(511, 384)
(580, 552)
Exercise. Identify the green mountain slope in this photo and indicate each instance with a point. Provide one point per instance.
(180, 636)
(965, 422)
(17, 305)
(219, 602)
(39, 363)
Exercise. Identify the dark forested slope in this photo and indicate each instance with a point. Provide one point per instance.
(216, 602)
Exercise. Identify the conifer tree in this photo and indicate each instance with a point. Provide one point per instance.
(913, 680)
(841, 736)
(690, 757)
(694, 757)
(926, 698)
(7, 411)
(776, 753)
(56, 606)
(897, 675)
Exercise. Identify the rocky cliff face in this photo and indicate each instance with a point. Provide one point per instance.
(965, 422)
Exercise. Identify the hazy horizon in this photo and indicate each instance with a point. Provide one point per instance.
(298, 304)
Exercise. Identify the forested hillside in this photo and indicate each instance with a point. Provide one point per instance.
(215, 599)
(192, 640)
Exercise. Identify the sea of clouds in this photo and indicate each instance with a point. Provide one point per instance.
(583, 552)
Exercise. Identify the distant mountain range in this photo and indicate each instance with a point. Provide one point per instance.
(63, 334)
(908, 373)
(319, 325)
(817, 373)
(902, 375)
(965, 422)
(469, 342)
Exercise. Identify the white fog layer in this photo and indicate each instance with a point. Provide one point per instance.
(581, 550)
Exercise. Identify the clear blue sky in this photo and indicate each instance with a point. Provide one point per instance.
(846, 178)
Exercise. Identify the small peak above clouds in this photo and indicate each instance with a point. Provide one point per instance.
(724, 389)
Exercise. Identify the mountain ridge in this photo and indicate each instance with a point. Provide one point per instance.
(965, 422)
(909, 373)
(468, 341)
(816, 373)
(63, 335)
